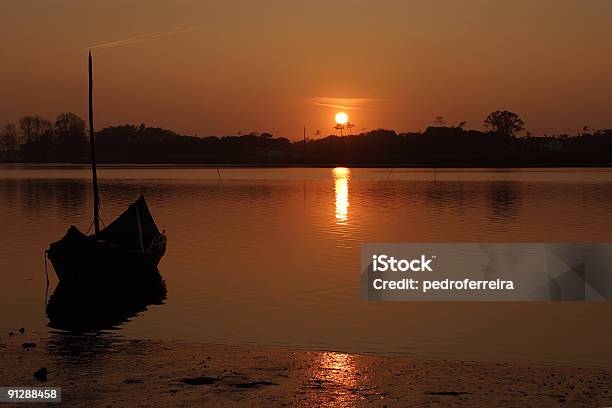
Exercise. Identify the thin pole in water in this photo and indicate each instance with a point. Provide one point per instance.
(304, 149)
(92, 142)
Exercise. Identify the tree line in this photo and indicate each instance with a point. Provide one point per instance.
(504, 142)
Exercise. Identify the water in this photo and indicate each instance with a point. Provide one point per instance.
(271, 256)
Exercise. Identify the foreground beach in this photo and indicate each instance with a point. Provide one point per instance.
(108, 370)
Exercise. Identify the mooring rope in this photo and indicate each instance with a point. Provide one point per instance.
(89, 229)
(92, 223)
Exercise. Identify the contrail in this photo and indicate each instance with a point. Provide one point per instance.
(144, 37)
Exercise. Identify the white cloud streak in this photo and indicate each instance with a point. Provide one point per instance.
(144, 37)
(343, 103)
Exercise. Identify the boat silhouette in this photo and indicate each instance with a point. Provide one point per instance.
(125, 254)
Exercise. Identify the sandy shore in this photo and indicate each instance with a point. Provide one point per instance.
(107, 370)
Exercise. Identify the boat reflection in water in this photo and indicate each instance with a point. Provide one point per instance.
(341, 177)
(88, 311)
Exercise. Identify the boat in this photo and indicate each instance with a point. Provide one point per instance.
(124, 254)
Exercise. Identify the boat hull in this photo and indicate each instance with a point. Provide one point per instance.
(82, 261)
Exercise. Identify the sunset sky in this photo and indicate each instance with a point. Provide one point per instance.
(215, 68)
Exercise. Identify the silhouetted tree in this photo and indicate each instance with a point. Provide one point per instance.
(71, 142)
(8, 138)
(69, 123)
(339, 127)
(439, 121)
(350, 127)
(33, 127)
(504, 122)
(462, 124)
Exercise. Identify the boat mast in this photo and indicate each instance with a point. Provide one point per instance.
(92, 142)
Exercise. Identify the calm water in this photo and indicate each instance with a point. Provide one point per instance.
(271, 256)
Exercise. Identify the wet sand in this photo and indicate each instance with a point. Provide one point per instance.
(108, 370)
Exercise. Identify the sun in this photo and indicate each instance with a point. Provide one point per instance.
(341, 118)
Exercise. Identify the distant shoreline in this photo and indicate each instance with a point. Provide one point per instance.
(314, 166)
(435, 147)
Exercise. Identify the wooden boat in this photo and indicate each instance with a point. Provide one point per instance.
(125, 253)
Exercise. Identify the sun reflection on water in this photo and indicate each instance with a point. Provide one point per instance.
(336, 375)
(341, 177)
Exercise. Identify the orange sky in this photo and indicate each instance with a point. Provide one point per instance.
(214, 68)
